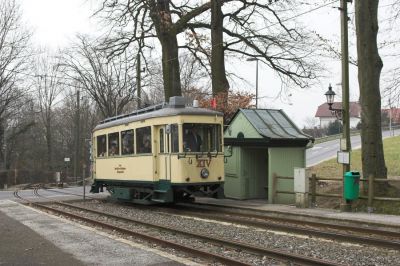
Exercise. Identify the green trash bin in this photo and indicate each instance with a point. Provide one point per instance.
(351, 185)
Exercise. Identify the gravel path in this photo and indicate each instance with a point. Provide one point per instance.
(343, 253)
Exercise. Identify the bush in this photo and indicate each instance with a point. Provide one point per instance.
(334, 128)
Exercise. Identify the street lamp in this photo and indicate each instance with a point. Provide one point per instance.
(345, 144)
(255, 59)
(330, 99)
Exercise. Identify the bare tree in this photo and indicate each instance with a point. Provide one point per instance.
(110, 82)
(48, 84)
(14, 41)
(161, 19)
(264, 31)
(369, 71)
(389, 49)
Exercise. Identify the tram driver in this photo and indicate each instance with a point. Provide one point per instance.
(192, 140)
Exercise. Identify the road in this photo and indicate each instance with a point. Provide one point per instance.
(328, 150)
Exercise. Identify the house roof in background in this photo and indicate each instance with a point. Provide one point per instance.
(395, 114)
(323, 109)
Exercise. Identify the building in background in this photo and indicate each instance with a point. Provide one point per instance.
(326, 116)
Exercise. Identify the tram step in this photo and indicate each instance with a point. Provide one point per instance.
(160, 191)
(161, 195)
(159, 200)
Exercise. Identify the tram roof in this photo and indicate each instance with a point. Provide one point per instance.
(164, 112)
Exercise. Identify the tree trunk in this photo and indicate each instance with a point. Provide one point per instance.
(219, 81)
(166, 33)
(170, 65)
(369, 70)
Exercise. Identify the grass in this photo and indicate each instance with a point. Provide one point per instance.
(331, 169)
(391, 148)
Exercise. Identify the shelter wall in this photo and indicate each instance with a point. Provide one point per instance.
(241, 124)
(282, 162)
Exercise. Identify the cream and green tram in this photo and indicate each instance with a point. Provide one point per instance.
(164, 153)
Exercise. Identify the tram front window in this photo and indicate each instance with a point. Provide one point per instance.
(201, 138)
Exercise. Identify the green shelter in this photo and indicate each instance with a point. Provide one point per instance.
(264, 144)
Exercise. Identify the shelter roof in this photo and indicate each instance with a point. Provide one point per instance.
(272, 124)
(264, 128)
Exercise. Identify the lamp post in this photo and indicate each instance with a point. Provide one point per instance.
(255, 59)
(330, 99)
(345, 145)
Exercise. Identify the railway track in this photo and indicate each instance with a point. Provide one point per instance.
(347, 233)
(75, 212)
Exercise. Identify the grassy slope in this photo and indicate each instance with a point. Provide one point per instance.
(332, 169)
(391, 148)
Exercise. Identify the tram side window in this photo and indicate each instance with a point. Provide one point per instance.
(174, 138)
(127, 142)
(143, 140)
(113, 144)
(101, 146)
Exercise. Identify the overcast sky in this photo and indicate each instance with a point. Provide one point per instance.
(56, 22)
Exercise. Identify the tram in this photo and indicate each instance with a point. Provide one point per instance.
(160, 154)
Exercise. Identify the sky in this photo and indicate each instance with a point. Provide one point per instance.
(56, 23)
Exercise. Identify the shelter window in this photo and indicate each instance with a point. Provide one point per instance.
(101, 146)
(174, 138)
(127, 142)
(143, 140)
(113, 144)
(202, 138)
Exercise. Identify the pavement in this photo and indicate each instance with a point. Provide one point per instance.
(31, 237)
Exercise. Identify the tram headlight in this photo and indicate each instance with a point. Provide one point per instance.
(204, 173)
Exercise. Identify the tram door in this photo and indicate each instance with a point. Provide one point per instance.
(163, 152)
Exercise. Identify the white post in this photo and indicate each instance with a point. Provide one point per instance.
(301, 187)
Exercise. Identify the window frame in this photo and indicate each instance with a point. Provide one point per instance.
(132, 144)
(140, 149)
(110, 144)
(105, 152)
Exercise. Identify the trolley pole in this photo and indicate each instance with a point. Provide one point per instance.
(345, 143)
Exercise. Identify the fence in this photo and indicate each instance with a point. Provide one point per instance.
(368, 185)
(23, 176)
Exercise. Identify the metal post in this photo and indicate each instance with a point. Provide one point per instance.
(256, 83)
(255, 59)
(77, 137)
(390, 121)
(274, 183)
(83, 182)
(313, 190)
(370, 193)
(138, 81)
(345, 92)
(5, 146)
